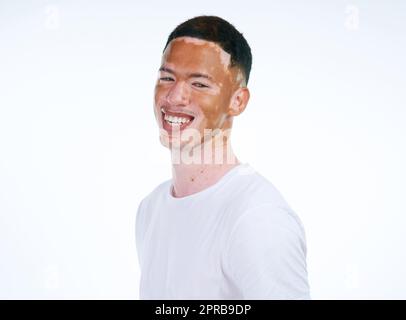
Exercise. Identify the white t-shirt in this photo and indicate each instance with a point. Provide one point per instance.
(237, 239)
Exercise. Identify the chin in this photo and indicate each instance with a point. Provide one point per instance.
(171, 143)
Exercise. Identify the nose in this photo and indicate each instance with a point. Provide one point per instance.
(178, 94)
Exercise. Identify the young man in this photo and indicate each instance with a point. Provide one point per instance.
(217, 229)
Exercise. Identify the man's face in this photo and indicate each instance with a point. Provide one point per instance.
(195, 85)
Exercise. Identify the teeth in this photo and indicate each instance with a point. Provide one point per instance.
(176, 120)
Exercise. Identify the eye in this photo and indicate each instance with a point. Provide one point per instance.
(200, 85)
(166, 79)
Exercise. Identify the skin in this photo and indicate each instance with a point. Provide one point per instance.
(213, 102)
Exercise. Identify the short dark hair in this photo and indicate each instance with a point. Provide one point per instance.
(223, 33)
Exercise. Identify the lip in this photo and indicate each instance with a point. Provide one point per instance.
(177, 113)
(169, 127)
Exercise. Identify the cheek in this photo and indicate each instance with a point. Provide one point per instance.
(159, 95)
(158, 101)
(212, 108)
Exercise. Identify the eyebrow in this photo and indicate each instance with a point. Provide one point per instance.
(190, 75)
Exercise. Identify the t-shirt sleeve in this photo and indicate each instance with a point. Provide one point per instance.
(265, 256)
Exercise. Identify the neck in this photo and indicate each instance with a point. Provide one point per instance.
(191, 178)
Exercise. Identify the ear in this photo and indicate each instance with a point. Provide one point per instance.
(239, 101)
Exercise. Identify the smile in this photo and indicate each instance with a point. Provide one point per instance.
(179, 120)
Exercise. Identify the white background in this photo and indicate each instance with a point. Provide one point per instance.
(79, 146)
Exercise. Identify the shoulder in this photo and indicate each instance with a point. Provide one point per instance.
(155, 196)
(269, 222)
(259, 189)
(258, 213)
(253, 194)
(265, 247)
(158, 193)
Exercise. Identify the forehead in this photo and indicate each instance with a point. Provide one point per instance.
(199, 55)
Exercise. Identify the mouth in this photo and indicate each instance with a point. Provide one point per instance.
(175, 120)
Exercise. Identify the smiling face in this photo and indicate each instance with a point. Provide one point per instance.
(195, 87)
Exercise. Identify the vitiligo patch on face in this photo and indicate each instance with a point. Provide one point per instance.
(225, 57)
(196, 41)
(239, 78)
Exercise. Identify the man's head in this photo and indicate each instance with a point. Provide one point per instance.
(202, 82)
(221, 32)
